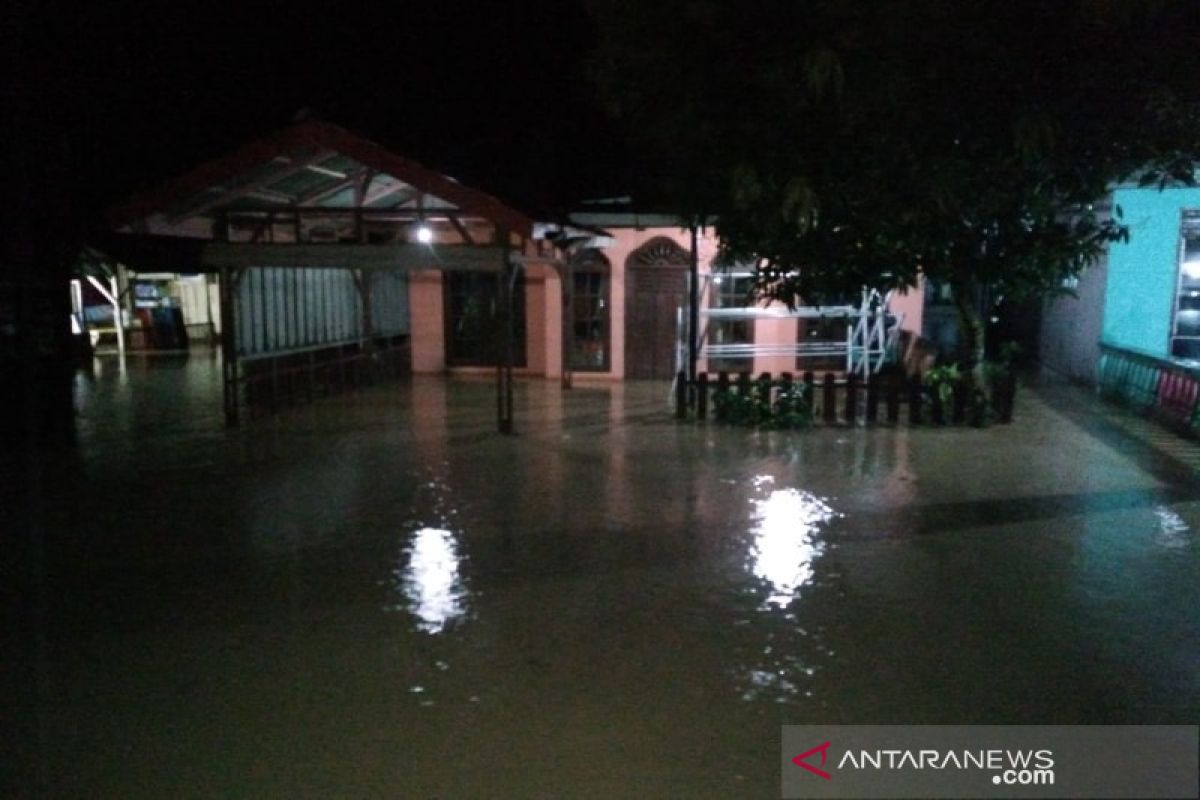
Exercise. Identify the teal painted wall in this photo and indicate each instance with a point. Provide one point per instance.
(1142, 274)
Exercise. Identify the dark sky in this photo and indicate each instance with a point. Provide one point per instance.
(493, 93)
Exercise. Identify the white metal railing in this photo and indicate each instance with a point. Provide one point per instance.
(870, 335)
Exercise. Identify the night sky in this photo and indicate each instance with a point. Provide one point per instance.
(495, 94)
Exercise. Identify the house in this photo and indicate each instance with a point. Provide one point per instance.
(1132, 327)
(313, 251)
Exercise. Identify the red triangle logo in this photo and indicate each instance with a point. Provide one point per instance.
(801, 760)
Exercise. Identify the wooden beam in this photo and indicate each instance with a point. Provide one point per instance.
(183, 254)
(388, 213)
(333, 173)
(462, 229)
(398, 255)
(273, 196)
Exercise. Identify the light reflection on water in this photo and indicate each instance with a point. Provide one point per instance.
(1172, 529)
(785, 539)
(430, 580)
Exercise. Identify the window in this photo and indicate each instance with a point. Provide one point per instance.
(590, 304)
(1185, 325)
(731, 291)
(473, 323)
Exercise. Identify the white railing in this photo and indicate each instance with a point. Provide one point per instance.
(870, 335)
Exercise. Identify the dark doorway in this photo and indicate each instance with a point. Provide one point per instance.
(474, 333)
(655, 291)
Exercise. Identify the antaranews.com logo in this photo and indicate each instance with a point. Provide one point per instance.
(1007, 767)
(990, 761)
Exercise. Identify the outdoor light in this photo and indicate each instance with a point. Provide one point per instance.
(424, 234)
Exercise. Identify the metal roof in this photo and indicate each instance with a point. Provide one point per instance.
(313, 165)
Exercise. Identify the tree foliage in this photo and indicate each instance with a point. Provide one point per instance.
(839, 143)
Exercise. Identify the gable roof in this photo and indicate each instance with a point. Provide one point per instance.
(314, 161)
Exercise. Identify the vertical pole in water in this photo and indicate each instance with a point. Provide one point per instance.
(693, 308)
(504, 389)
(229, 365)
(567, 273)
(118, 318)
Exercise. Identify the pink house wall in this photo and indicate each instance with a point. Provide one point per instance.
(909, 302)
(427, 320)
(544, 334)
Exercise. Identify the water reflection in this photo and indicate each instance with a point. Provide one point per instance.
(785, 542)
(1172, 529)
(430, 580)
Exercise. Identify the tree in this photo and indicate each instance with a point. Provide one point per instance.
(970, 141)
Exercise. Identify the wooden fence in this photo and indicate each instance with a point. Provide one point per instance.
(841, 399)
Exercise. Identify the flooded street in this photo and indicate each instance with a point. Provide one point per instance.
(377, 596)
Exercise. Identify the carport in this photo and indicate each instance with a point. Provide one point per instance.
(312, 234)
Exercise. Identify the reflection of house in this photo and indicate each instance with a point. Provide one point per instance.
(313, 247)
(1134, 325)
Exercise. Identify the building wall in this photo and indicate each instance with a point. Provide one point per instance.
(911, 303)
(1142, 273)
(536, 328)
(428, 326)
(1069, 339)
(544, 313)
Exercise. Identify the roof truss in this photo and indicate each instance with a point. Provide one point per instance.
(413, 181)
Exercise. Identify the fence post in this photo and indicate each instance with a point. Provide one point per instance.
(764, 387)
(702, 396)
(681, 388)
(893, 397)
(723, 388)
(873, 398)
(743, 384)
(914, 399)
(829, 401)
(851, 399)
(785, 383)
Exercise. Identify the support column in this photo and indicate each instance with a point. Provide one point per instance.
(227, 293)
(567, 274)
(113, 295)
(693, 309)
(229, 358)
(504, 367)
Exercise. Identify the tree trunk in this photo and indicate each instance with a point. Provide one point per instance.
(971, 325)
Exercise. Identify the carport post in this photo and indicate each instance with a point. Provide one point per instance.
(693, 309)
(567, 274)
(504, 386)
(229, 365)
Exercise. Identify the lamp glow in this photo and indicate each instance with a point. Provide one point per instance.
(424, 234)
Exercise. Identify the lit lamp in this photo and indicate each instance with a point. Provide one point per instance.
(424, 234)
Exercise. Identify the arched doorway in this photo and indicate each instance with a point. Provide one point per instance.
(655, 290)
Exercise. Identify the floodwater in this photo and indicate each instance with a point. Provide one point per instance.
(377, 596)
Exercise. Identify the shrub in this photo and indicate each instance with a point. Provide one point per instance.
(754, 408)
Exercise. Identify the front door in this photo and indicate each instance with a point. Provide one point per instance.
(655, 293)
